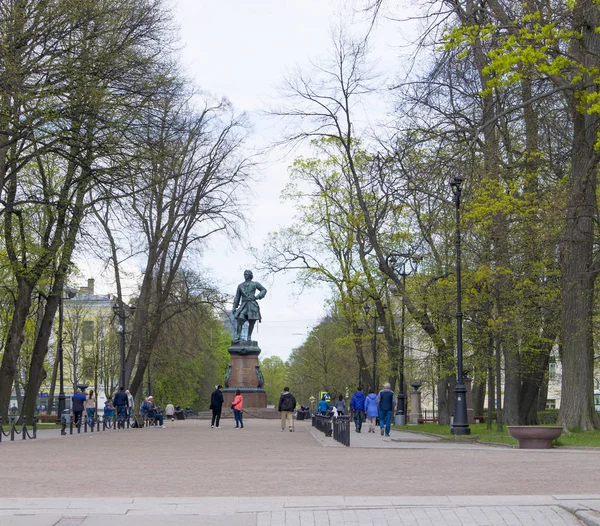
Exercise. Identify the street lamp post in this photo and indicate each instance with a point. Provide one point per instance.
(460, 423)
(61, 368)
(119, 310)
(367, 309)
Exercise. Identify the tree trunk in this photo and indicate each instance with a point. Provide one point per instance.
(499, 405)
(478, 391)
(14, 340)
(577, 294)
(512, 384)
(37, 372)
(577, 403)
(53, 384)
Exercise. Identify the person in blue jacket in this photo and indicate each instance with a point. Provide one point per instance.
(357, 404)
(78, 403)
(387, 404)
(323, 406)
(371, 409)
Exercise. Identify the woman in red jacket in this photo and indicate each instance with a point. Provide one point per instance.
(238, 401)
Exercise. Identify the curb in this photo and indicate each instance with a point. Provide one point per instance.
(588, 517)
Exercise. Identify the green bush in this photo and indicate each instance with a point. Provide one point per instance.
(549, 416)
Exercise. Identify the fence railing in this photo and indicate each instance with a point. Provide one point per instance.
(341, 430)
(323, 424)
(338, 427)
(18, 429)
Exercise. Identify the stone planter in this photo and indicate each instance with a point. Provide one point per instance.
(535, 437)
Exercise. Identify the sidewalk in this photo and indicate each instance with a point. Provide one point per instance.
(302, 511)
(401, 440)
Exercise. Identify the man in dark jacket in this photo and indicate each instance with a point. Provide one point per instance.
(357, 404)
(78, 401)
(216, 404)
(121, 402)
(386, 401)
(287, 404)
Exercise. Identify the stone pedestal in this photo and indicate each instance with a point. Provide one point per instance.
(243, 373)
(470, 414)
(415, 407)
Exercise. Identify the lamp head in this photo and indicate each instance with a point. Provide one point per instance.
(367, 308)
(455, 182)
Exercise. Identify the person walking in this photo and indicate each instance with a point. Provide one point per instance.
(78, 405)
(386, 401)
(287, 404)
(121, 402)
(216, 404)
(340, 405)
(90, 407)
(357, 405)
(109, 410)
(371, 409)
(131, 402)
(237, 404)
(323, 406)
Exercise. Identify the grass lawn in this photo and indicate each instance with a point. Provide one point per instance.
(481, 434)
(48, 425)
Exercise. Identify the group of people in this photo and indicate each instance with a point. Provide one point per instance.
(216, 405)
(122, 402)
(365, 408)
(287, 405)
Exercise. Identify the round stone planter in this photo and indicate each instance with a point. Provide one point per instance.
(535, 437)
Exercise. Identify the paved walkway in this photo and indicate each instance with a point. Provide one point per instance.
(191, 474)
(302, 511)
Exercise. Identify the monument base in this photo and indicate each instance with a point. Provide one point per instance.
(244, 373)
(254, 397)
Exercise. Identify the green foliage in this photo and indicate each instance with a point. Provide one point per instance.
(325, 362)
(191, 359)
(275, 373)
(548, 416)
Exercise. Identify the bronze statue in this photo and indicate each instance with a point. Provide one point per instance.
(245, 305)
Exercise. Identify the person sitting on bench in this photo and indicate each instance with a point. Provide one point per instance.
(153, 412)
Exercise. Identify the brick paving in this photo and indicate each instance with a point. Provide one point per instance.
(191, 474)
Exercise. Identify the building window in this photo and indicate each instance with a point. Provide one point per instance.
(87, 330)
(550, 404)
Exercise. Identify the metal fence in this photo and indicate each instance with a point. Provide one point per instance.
(18, 429)
(338, 427)
(25, 431)
(341, 430)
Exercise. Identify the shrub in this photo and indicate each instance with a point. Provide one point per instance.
(549, 416)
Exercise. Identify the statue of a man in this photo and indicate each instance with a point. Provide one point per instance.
(245, 305)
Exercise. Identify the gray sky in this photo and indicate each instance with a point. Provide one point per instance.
(241, 50)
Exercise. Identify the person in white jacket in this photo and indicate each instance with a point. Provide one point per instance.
(170, 411)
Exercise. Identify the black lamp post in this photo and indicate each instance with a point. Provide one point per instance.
(119, 310)
(460, 423)
(404, 265)
(367, 309)
(61, 360)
